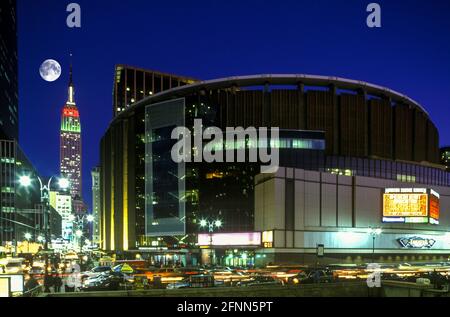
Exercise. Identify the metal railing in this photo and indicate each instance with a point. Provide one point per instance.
(35, 292)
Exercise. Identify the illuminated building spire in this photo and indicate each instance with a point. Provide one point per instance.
(70, 141)
(71, 100)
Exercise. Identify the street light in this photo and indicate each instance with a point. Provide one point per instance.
(374, 232)
(79, 224)
(211, 224)
(28, 238)
(64, 183)
(25, 181)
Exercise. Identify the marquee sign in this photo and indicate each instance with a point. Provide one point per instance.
(411, 205)
(230, 239)
(417, 243)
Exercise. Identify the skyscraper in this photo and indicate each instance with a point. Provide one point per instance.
(70, 143)
(9, 112)
(96, 205)
(62, 203)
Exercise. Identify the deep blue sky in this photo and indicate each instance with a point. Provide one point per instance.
(211, 39)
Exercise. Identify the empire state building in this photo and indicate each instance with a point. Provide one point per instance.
(70, 143)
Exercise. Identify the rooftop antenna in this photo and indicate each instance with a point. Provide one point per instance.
(70, 80)
(71, 90)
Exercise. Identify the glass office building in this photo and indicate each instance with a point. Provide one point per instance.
(9, 109)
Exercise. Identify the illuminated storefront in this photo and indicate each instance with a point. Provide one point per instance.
(229, 249)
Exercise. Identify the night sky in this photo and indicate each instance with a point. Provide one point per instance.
(213, 39)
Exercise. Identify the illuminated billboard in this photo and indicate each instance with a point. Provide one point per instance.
(230, 239)
(411, 205)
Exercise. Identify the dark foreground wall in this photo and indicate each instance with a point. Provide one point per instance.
(354, 289)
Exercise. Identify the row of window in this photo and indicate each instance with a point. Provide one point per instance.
(285, 143)
(399, 171)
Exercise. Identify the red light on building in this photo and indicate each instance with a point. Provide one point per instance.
(67, 112)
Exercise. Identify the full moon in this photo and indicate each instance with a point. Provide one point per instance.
(50, 70)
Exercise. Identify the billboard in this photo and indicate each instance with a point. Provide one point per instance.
(434, 207)
(411, 205)
(230, 239)
(405, 205)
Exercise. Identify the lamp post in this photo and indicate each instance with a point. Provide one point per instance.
(79, 222)
(63, 183)
(374, 232)
(28, 238)
(211, 224)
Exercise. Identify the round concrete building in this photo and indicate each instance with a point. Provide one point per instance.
(328, 125)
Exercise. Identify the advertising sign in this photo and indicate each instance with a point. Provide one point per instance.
(417, 243)
(320, 250)
(434, 207)
(230, 239)
(405, 205)
(410, 205)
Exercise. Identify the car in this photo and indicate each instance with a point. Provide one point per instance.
(13, 265)
(95, 271)
(299, 278)
(315, 276)
(196, 281)
(37, 270)
(181, 284)
(260, 281)
(166, 275)
(106, 281)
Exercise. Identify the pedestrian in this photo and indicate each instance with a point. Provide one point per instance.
(31, 284)
(57, 283)
(48, 282)
(316, 277)
(71, 282)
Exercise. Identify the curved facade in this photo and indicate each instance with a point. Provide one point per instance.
(367, 131)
